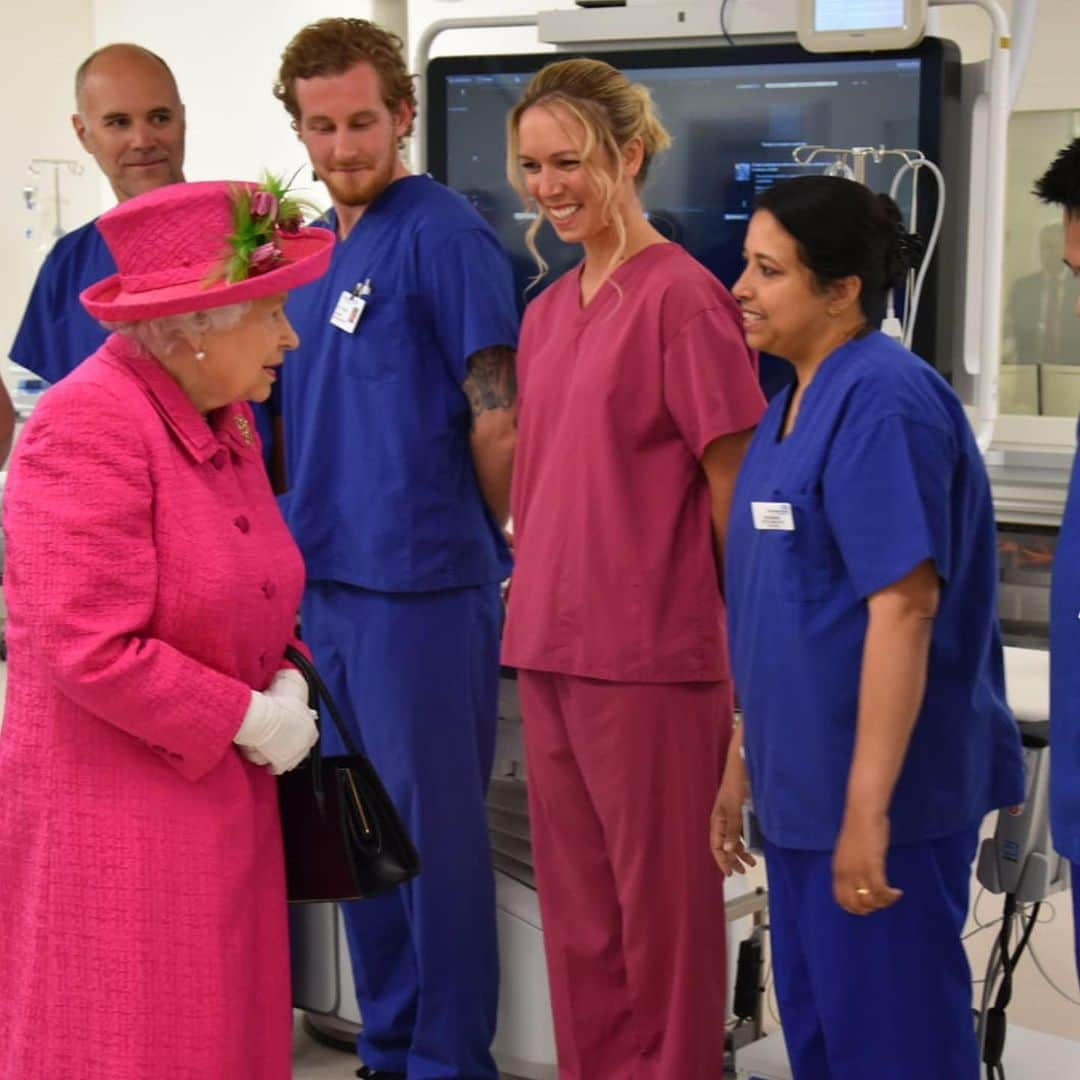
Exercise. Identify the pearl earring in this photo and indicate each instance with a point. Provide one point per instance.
(200, 355)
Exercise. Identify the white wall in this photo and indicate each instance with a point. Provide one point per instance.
(46, 41)
(1051, 80)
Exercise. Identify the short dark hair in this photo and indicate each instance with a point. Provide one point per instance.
(1060, 184)
(842, 229)
(332, 47)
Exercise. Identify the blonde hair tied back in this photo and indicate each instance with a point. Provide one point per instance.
(613, 111)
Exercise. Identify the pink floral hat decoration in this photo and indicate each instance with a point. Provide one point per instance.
(189, 247)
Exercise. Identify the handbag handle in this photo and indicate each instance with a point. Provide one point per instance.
(317, 692)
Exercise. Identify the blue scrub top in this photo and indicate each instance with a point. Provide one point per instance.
(881, 472)
(57, 334)
(382, 489)
(1065, 679)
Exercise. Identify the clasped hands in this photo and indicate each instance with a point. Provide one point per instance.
(279, 728)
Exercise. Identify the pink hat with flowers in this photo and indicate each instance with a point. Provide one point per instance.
(189, 247)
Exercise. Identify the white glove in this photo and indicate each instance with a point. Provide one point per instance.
(277, 731)
(288, 685)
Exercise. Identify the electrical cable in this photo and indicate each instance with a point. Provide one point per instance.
(1053, 985)
(992, 1022)
(913, 219)
(979, 929)
(911, 307)
(1038, 914)
(768, 986)
(723, 25)
(975, 907)
(992, 1018)
(1029, 926)
(771, 1001)
(988, 989)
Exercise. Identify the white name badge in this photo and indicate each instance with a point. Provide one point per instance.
(773, 517)
(348, 311)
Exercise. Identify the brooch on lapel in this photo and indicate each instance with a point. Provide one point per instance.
(245, 430)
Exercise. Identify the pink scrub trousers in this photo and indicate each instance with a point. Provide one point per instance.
(622, 778)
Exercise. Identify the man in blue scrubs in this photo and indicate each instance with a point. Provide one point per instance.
(131, 120)
(1060, 186)
(398, 426)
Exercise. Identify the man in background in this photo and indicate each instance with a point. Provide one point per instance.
(1060, 186)
(398, 418)
(1040, 315)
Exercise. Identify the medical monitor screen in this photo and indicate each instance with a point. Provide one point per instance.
(833, 15)
(736, 115)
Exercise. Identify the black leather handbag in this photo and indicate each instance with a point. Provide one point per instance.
(344, 839)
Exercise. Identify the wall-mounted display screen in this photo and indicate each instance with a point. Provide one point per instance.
(844, 25)
(735, 114)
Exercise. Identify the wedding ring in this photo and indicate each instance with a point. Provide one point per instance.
(862, 892)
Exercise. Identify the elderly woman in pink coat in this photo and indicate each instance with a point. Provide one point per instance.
(152, 589)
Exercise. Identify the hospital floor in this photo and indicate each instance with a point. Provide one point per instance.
(314, 1061)
(1036, 1003)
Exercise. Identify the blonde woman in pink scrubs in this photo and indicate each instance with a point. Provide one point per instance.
(638, 396)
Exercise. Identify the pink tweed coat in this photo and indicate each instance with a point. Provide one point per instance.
(151, 584)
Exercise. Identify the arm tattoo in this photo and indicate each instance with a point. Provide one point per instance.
(492, 380)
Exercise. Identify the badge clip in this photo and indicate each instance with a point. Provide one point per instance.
(350, 306)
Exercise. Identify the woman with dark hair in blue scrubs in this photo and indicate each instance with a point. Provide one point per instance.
(861, 586)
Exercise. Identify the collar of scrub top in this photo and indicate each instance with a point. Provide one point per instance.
(385, 203)
(200, 436)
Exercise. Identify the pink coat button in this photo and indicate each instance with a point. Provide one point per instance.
(219, 459)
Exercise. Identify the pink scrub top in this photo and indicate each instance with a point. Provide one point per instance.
(615, 574)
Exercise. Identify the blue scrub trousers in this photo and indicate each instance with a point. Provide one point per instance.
(416, 675)
(878, 997)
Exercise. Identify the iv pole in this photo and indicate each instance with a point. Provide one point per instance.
(36, 167)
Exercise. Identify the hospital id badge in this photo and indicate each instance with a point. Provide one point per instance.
(773, 516)
(348, 311)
